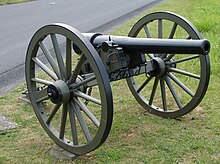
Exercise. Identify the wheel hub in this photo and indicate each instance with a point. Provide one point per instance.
(58, 92)
(159, 67)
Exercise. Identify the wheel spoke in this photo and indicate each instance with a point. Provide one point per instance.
(50, 58)
(148, 34)
(147, 31)
(144, 84)
(77, 68)
(68, 58)
(87, 97)
(160, 28)
(58, 55)
(41, 81)
(41, 95)
(73, 86)
(63, 121)
(184, 73)
(182, 60)
(73, 124)
(87, 112)
(52, 114)
(153, 91)
(45, 68)
(173, 31)
(163, 93)
(170, 57)
(170, 86)
(183, 86)
(160, 36)
(82, 122)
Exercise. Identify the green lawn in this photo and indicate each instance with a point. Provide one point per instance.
(6, 2)
(136, 136)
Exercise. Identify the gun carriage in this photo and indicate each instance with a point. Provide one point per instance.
(164, 60)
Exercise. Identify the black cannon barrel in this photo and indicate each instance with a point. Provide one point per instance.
(150, 45)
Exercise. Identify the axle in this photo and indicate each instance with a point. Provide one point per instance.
(149, 45)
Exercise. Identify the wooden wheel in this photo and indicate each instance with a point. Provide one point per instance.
(74, 118)
(181, 80)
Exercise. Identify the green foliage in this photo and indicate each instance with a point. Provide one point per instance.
(6, 2)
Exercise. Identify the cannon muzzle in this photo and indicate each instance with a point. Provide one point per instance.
(149, 45)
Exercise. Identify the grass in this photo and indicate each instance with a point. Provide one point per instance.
(136, 136)
(7, 2)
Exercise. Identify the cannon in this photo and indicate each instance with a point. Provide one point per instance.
(164, 61)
